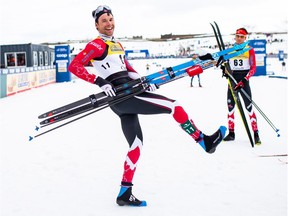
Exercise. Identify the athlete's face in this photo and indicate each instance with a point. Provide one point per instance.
(106, 24)
(240, 38)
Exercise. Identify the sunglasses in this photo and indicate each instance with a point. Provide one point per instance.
(102, 9)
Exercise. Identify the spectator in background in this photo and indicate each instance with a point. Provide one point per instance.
(195, 56)
(283, 66)
(147, 68)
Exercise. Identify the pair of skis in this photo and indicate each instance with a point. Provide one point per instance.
(97, 102)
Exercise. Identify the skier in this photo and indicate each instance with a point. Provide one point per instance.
(108, 57)
(243, 68)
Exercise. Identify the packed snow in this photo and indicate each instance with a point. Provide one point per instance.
(76, 169)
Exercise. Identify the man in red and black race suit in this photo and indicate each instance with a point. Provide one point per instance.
(243, 68)
(108, 58)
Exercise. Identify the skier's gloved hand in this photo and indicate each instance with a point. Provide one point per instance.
(240, 84)
(134, 75)
(223, 68)
(106, 86)
(207, 56)
(152, 87)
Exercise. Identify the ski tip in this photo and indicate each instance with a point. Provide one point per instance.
(37, 128)
(277, 131)
(143, 203)
(30, 138)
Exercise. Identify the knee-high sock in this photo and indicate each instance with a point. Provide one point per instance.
(253, 121)
(132, 158)
(231, 120)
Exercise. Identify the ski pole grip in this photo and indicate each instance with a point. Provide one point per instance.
(194, 70)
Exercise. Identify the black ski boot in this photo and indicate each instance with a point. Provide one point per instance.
(257, 138)
(209, 143)
(125, 197)
(230, 136)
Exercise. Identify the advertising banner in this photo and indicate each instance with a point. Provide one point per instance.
(260, 52)
(16, 83)
(62, 60)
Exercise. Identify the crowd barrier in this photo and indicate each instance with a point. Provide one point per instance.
(15, 80)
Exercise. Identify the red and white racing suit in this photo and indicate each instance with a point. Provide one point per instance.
(108, 58)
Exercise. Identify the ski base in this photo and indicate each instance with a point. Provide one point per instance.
(122, 203)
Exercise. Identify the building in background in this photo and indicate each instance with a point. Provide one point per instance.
(26, 55)
(25, 66)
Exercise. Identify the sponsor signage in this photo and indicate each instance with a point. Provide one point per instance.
(62, 61)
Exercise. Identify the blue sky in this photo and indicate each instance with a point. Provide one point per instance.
(37, 21)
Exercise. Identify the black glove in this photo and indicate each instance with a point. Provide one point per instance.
(207, 56)
(106, 86)
(240, 84)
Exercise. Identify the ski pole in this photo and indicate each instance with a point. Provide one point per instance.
(256, 106)
(87, 114)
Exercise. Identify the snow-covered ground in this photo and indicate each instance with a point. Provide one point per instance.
(76, 170)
